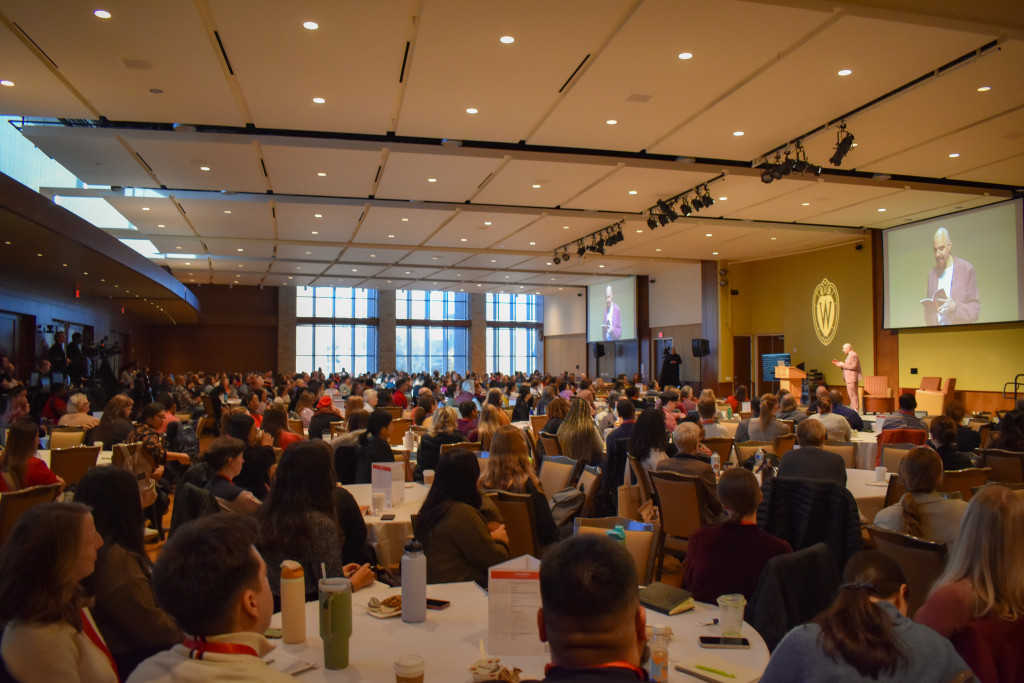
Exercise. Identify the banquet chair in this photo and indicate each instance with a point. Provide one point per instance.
(295, 426)
(191, 502)
(966, 480)
(807, 511)
(397, 430)
(876, 395)
(730, 426)
(550, 445)
(641, 540)
(537, 422)
(15, 503)
(985, 434)
(589, 484)
(518, 516)
(678, 499)
(337, 428)
(846, 449)
(1012, 487)
(784, 444)
(66, 437)
(394, 411)
(915, 437)
(640, 477)
(1006, 466)
(921, 561)
(471, 446)
(558, 472)
(894, 491)
(403, 457)
(71, 464)
(722, 445)
(747, 449)
(892, 454)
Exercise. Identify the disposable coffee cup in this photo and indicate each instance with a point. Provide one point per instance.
(880, 473)
(409, 669)
(730, 614)
(428, 477)
(378, 503)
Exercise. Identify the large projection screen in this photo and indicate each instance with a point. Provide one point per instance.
(611, 310)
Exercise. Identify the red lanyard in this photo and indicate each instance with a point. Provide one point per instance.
(199, 646)
(90, 632)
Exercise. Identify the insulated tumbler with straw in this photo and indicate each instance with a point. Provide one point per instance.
(335, 620)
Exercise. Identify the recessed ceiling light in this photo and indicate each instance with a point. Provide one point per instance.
(714, 253)
(405, 220)
(315, 232)
(611, 122)
(145, 208)
(433, 258)
(321, 174)
(355, 270)
(391, 237)
(291, 277)
(536, 186)
(464, 239)
(431, 180)
(707, 234)
(373, 256)
(227, 210)
(601, 266)
(506, 277)
(881, 210)
(533, 244)
(659, 249)
(984, 88)
(309, 253)
(161, 225)
(7, 83)
(479, 285)
(472, 110)
(408, 272)
(7, 241)
(204, 168)
(806, 204)
(494, 261)
(738, 133)
(240, 265)
(318, 215)
(549, 263)
(632, 192)
(954, 155)
(845, 72)
(723, 199)
(774, 238)
(188, 263)
(318, 100)
(487, 223)
(311, 25)
(685, 55)
(565, 227)
(507, 40)
(240, 249)
(102, 14)
(639, 232)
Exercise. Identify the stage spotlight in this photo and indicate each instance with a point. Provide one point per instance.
(667, 211)
(652, 222)
(842, 147)
(581, 250)
(800, 166)
(684, 206)
(707, 199)
(816, 170)
(565, 257)
(556, 260)
(766, 174)
(663, 219)
(600, 243)
(787, 166)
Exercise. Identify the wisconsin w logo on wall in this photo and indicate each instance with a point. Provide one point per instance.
(825, 311)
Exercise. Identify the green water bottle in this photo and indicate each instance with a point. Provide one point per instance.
(335, 620)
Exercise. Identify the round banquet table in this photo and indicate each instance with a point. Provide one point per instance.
(449, 639)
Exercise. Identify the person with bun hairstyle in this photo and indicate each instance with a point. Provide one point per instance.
(865, 635)
(922, 512)
(943, 438)
(225, 458)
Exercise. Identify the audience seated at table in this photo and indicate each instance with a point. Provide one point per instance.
(766, 427)
(224, 457)
(259, 456)
(491, 419)
(811, 461)
(468, 420)
(708, 411)
(688, 459)
(509, 469)
(127, 615)
(211, 579)
(852, 416)
(56, 404)
(738, 398)
(905, 418)
(978, 601)
(729, 557)
(423, 413)
(19, 466)
(1011, 432)
(577, 435)
(626, 411)
(373, 445)
(921, 511)
(346, 446)
(524, 404)
(299, 520)
(456, 539)
(49, 634)
(557, 409)
(597, 630)
(546, 397)
(151, 417)
(836, 427)
(865, 635)
(325, 414)
(789, 410)
(78, 414)
(443, 431)
(967, 439)
(943, 438)
(304, 407)
(648, 441)
(275, 423)
(115, 425)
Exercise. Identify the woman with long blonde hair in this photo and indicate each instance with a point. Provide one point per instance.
(578, 437)
(509, 469)
(491, 419)
(978, 601)
(922, 512)
(444, 430)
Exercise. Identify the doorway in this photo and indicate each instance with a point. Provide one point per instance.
(742, 360)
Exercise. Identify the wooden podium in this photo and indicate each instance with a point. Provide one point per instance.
(791, 379)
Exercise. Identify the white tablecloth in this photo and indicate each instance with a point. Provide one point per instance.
(870, 497)
(389, 538)
(867, 449)
(449, 639)
(102, 461)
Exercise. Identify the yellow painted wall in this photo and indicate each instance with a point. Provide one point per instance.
(775, 298)
(980, 358)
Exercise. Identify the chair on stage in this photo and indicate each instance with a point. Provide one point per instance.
(876, 395)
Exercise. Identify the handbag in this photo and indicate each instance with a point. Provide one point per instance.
(630, 505)
(147, 489)
(566, 504)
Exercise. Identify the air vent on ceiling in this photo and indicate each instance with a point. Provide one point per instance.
(142, 64)
(638, 97)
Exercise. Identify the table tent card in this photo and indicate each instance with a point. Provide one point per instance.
(389, 478)
(512, 604)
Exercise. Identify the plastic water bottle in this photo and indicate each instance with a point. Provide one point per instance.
(617, 534)
(414, 583)
(758, 460)
(716, 464)
(657, 665)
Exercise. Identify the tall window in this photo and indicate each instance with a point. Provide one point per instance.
(512, 332)
(431, 331)
(336, 329)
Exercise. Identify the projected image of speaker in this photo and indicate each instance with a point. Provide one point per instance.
(701, 348)
(598, 350)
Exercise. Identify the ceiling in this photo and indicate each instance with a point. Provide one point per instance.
(391, 183)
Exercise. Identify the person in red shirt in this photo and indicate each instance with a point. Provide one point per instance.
(19, 466)
(398, 398)
(57, 404)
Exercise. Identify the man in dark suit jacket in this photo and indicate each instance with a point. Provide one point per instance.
(851, 415)
(960, 302)
(627, 413)
(688, 460)
(810, 461)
